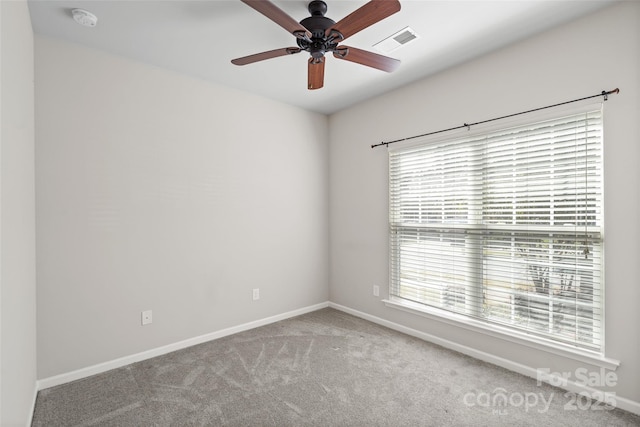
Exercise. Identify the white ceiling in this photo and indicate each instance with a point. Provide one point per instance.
(199, 38)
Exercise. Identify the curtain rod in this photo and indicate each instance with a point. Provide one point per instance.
(605, 94)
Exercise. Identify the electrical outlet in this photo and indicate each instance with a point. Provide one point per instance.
(147, 317)
(256, 294)
(376, 290)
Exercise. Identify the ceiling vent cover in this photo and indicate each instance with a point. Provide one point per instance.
(396, 40)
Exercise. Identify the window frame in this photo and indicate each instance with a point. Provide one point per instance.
(492, 329)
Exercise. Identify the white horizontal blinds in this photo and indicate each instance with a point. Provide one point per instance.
(543, 175)
(542, 208)
(434, 194)
(505, 227)
(433, 184)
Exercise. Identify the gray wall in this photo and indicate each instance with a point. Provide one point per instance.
(598, 52)
(17, 217)
(156, 191)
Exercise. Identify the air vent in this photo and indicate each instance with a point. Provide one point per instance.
(396, 40)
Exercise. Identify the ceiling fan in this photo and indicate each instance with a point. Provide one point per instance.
(318, 35)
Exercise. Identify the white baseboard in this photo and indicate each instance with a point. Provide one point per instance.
(33, 404)
(622, 403)
(127, 360)
(628, 405)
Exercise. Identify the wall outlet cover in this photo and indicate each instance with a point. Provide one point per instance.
(147, 317)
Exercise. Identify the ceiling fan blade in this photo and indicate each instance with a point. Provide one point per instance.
(365, 16)
(265, 55)
(278, 16)
(316, 73)
(367, 58)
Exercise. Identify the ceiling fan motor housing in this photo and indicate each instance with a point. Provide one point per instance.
(317, 24)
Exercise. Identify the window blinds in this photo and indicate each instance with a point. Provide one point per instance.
(505, 228)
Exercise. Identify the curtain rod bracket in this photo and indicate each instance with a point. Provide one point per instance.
(468, 126)
(606, 94)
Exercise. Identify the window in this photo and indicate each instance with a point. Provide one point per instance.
(504, 228)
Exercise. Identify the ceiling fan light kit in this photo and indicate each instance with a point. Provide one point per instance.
(319, 35)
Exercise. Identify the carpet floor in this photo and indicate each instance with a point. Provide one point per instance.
(325, 368)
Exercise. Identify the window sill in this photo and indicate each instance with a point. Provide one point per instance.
(590, 357)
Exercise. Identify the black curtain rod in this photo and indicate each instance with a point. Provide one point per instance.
(605, 94)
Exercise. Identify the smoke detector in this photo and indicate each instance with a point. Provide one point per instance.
(84, 17)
